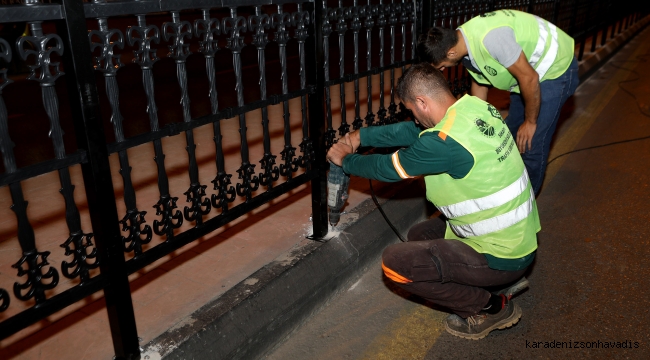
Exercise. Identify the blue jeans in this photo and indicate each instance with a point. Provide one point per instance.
(554, 94)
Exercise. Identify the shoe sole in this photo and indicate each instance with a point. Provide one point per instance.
(503, 324)
(515, 289)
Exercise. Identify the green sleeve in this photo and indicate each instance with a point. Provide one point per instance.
(403, 133)
(427, 155)
(375, 167)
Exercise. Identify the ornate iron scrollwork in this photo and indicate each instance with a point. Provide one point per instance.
(170, 219)
(200, 206)
(208, 29)
(411, 8)
(225, 192)
(232, 26)
(257, 24)
(381, 24)
(141, 37)
(369, 11)
(46, 72)
(35, 262)
(108, 39)
(342, 14)
(176, 32)
(78, 245)
(280, 21)
(355, 26)
(43, 70)
(137, 235)
(330, 133)
(392, 10)
(407, 14)
(108, 63)
(300, 19)
(404, 11)
(6, 145)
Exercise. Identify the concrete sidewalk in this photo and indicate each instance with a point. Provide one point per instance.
(588, 297)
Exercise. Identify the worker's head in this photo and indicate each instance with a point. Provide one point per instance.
(439, 47)
(425, 91)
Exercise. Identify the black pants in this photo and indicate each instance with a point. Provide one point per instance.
(446, 272)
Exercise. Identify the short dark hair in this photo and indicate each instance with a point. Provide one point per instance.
(422, 79)
(434, 45)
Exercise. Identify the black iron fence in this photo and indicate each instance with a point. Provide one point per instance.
(228, 60)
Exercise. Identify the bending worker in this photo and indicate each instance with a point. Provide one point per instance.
(521, 53)
(475, 176)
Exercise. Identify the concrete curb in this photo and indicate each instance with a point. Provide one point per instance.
(593, 61)
(253, 316)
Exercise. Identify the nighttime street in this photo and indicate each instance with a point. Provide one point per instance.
(171, 193)
(588, 285)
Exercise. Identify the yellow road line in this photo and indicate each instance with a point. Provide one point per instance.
(410, 336)
(570, 139)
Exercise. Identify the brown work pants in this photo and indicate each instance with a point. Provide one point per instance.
(446, 272)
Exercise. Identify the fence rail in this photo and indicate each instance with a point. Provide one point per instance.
(229, 60)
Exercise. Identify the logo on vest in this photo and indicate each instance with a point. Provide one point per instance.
(488, 14)
(490, 70)
(485, 128)
(494, 112)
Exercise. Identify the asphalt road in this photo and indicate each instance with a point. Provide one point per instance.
(589, 283)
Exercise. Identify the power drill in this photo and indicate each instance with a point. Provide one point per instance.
(337, 191)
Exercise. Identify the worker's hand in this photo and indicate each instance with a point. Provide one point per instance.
(350, 139)
(340, 150)
(353, 139)
(525, 136)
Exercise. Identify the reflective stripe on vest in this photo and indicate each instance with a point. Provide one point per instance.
(551, 54)
(496, 223)
(499, 198)
(537, 54)
(541, 43)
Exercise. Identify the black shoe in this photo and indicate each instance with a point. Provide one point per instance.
(479, 326)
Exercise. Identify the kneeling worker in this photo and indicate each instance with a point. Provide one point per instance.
(475, 176)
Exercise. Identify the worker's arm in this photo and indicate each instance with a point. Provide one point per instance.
(528, 81)
(402, 133)
(428, 155)
(478, 90)
(395, 135)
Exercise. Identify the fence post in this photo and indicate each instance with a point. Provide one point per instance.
(84, 103)
(316, 77)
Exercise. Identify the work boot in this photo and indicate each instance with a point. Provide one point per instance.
(515, 288)
(479, 326)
